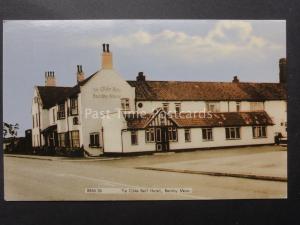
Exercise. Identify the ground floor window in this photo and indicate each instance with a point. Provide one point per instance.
(75, 138)
(150, 135)
(187, 135)
(62, 139)
(94, 140)
(207, 134)
(259, 132)
(172, 133)
(134, 138)
(232, 132)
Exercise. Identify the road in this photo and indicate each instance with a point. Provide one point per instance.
(34, 179)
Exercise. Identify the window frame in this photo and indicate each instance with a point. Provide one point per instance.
(216, 105)
(61, 111)
(187, 135)
(74, 106)
(134, 136)
(172, 132)
(166, 106)
(77, 140)
(177, 106)
(238, 106)
(148, 134)
(235, 129)
(259, 132)
(60, 141)
(125, 104)
(209, 133)
(96, 141)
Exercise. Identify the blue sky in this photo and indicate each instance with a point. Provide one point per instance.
(202, 50)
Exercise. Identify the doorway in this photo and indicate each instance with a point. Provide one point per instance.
(162, 139)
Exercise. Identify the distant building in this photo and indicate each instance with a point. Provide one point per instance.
(144, 115)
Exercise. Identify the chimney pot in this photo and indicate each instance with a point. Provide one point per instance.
(141, 77)
(235, 79)
(283, 70)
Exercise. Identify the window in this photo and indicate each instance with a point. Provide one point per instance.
(172, 131)
(134, 138)
(238, 106)
(187, 135)
(150, 135)
(207, 134)
(53, 115)
(61, 111)
(73, 106)
(62, 139)
(213, 106)
(75, 138)
(177, 107)
(32, 121)
(259, 131)
(232, 132)
(75, 121)
(256, 106)
(166, 107)
(36, 120)
(125, 104)
(94, 140)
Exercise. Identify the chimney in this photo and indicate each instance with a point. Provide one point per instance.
(106, 58)
(50, 80)
(80, 74)
(235, 79)
(141, 77)
(283, 70)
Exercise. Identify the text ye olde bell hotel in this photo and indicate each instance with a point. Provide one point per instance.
(104, 113)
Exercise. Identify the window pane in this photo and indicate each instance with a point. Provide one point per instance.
(264, 133)
(204, 134)
(237, 132)
(227, 133)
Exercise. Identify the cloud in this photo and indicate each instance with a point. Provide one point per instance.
(226, 38)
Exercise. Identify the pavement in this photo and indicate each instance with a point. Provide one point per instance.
(31, 179)
(263, 166)
(60, 158)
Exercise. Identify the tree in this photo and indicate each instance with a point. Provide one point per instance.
(10, 129)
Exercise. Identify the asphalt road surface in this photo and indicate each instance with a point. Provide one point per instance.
(34, 179)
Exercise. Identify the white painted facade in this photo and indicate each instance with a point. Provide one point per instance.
(99, 104)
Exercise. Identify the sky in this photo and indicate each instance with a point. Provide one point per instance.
(195, 50)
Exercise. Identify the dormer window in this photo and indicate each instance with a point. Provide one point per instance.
(125, 104)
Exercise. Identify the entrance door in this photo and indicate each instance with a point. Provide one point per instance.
(162, 140)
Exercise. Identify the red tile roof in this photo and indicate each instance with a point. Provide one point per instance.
(225, 119)
(207, 91)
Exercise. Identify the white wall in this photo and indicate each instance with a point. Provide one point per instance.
(142, 146)
(277, 110)
(219, 140)
(112, 133)
(100, 94)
